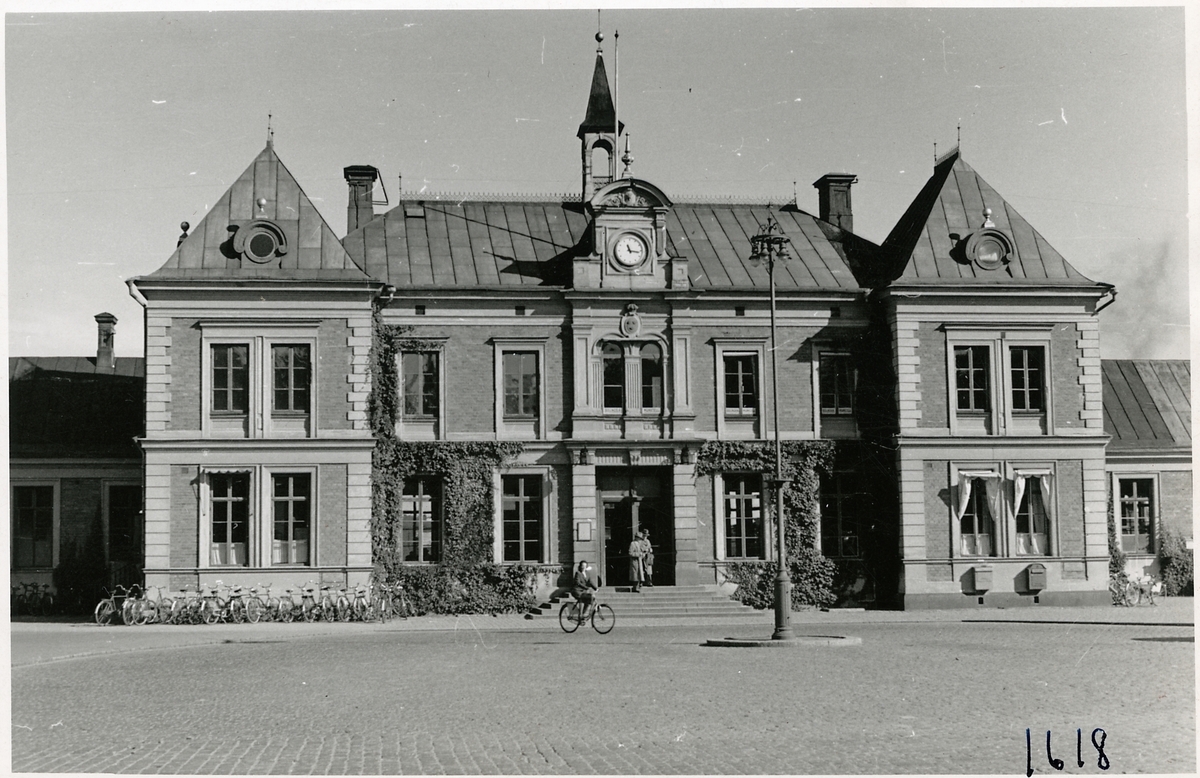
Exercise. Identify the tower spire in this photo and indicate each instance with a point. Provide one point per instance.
(601, 129)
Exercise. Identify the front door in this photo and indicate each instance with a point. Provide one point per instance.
(618, 535)
(632, 499)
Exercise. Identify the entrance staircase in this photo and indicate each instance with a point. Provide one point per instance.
(702, 603)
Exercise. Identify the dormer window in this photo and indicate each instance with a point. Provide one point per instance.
(260, 241)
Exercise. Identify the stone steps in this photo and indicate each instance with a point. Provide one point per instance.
(661, 602)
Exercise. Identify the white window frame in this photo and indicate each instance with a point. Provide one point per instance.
(55, 540)
(519, 429)
(433, 428)
(1155, 510)
(439, 520)
(1000, 418)
(743, 427)
(259, 338)
(266, 526)
(841, 425)
(987, 471)
(548, 521)
(1023, 471)
(856, 514)
(260, 515)
(719, 516)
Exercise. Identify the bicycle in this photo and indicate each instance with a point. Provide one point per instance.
(573, 613)
(360, 603)
(310, 610)
(260, 604)
(1118, 589)
(107, 609)
(1143, 589)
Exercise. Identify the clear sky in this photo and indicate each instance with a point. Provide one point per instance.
(122, 125)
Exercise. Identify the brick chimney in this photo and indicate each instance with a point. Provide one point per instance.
(361, 179)
(833, 191)
(106, 324)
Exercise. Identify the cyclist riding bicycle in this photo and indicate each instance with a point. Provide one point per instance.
(583, 585)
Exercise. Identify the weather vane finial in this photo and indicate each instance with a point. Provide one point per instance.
(270, 132)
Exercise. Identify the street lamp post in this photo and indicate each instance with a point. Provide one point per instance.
(770, 245)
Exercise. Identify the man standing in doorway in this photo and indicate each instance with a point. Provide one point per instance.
(638, 550)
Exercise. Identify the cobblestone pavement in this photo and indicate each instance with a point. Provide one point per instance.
(919, 696)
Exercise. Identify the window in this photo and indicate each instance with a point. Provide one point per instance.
(420, 379)
(421, 520)
(743, 516)
(837, 384)
(33, 526)
(839, 516)
(520, 385)
(1137, 515)
(291, 500)
(741, 385)
(125, 522)
(521, 520)
(1027, 368)
(978, 505)
(292, 375)
(1032, 496)
(971, 378)
(230, 519)
(230, 379)
(613, 360)
(259, 378)
(652, 377)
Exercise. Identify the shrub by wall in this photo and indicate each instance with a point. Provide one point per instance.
(1177, 565)
(811, 573)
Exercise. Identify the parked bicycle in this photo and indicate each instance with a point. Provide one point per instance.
(573, 613)
(107, 609)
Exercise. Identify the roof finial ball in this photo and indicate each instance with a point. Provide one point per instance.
(185, 227)
(262, 204)
(987, 218)
(599, 41)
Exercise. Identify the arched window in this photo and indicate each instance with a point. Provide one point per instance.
(614, 377)
(601, 165)
(652, 377)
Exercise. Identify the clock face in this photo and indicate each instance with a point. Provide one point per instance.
(629, 250)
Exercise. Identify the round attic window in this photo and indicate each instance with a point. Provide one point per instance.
(261, 247)
(988, 249)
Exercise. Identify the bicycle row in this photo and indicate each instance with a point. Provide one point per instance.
(32, 599)
(236, 604)
(1129, 592)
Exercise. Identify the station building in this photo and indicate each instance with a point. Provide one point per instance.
(611, 352)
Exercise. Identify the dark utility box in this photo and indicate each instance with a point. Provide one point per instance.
(1035, 577)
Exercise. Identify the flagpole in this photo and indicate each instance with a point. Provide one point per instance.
(616, 114)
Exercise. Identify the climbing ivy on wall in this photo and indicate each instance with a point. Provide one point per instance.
(811, 573)
(465, 580)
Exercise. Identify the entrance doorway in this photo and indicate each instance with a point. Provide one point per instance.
(632, 499)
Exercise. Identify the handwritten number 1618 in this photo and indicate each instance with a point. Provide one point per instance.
(1057, 764)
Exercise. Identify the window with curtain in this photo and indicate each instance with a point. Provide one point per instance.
(421, 520)
(1031, 495)
(291, 505)
(230, 518)
(743, 516)
(978, 506)
(521, 505)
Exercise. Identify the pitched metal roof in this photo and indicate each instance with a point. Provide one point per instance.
(62, 407)
(1147, 403)
(314, 252)
(498, 243)
(924, 244)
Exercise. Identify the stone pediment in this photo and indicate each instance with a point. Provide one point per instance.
(631, 193)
